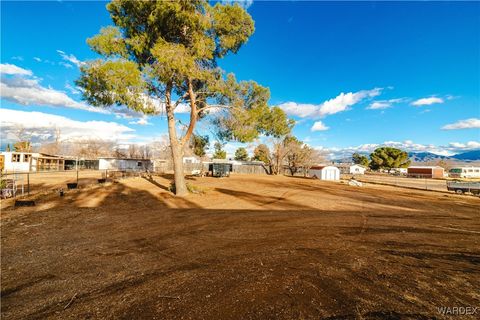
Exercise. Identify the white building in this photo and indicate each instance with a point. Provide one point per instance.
(191, 159)
(464, 172)
(124, 164)
(330, 173)
(351, 169)
(30, 162)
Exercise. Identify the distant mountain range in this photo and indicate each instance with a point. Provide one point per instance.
(467, 156)
(473, 155)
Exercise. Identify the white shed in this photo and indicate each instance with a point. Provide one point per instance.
(330, 173)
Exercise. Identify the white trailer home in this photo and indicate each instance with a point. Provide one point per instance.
(330, 173)
(31, 162)
(124, 164)
(464, 172)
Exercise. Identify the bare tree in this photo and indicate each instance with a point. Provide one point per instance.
(311, 157)
(93, 148)
(133, 151)
(54, 147)
(24, 138)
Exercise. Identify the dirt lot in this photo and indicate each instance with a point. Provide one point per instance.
(251, 247)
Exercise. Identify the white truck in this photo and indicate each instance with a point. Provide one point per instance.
(461, 187)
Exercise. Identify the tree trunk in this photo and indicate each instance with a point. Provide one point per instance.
(177, 151)
(179, 178)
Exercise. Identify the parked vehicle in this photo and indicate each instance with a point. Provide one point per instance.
(461, 187)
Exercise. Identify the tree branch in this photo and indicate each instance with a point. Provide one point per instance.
(182, 98)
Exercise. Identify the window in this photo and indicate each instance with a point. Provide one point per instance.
(139, 164)
(26, 158)
(470, 170)
(477, 170)
(15, 157)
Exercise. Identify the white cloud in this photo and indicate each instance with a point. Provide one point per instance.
(319, 126)
(66, 65)
(379, 105)
(427, 101)
(70, 58)
(11, 69)
(142, 122)
(384, 104)
(472, 123)
(37, 59)
(42, 126)
(25, 89)
(73, 90)
(28, 91)
(19, 58)
(470, 145)
(338, 104)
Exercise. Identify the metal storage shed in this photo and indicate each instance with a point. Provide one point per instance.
(330, 173)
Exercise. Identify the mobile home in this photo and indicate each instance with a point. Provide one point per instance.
(124, 164)
(464, 172)
(31, 162)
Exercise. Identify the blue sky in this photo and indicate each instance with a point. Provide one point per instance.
(353, 75)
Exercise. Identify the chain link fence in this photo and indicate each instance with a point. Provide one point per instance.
(419, 182)
(19, 184)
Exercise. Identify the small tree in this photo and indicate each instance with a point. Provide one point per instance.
(199, 145)
(388, 158)
(294, 153)
(241, 154)
(22, 146)
(219, 152)
(161, 54)
(262, 153)
(360, 159)
(445, 164)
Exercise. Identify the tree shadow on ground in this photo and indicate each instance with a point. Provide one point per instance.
(279, 202)
(155, 183)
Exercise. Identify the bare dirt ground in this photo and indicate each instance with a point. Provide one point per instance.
(251, 247)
